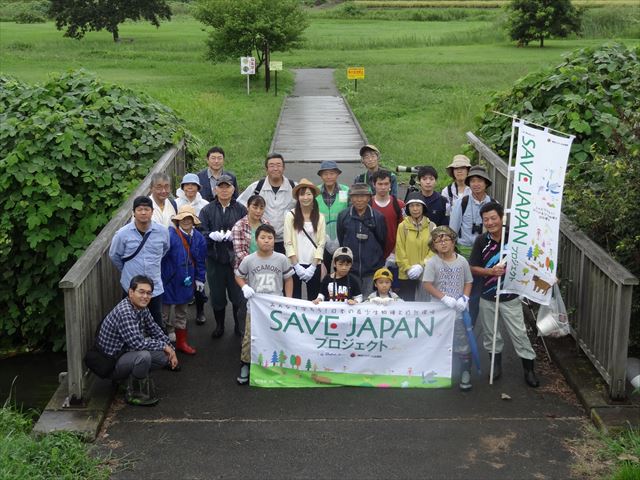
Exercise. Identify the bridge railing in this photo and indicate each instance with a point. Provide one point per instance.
(598, 291)
(92, 286)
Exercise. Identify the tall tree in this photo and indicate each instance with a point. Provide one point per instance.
(242, 27)
(539, 19)
(82, 16)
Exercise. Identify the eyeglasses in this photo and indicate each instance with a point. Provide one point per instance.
(443, 240)
(370, 155)
(144, 293)
(162, 187)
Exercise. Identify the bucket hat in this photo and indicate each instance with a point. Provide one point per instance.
(190, 178)
(459, 161)
(329, 165)
(359, 189)
(415, 197)
(304, 183)
(186, 211)
(438, 232)
(478, 171)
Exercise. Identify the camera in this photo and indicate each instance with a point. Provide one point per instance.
(476, 229)
(403, 169)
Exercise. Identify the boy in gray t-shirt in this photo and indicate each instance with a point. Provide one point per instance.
(447, 277)
(264, 271)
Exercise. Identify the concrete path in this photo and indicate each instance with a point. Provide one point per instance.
(315, 125)
(206, 426)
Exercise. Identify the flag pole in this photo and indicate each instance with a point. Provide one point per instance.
(514, 123)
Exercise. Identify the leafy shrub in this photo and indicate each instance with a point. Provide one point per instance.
(595, 95)
(56, 455)
(29, 17)
(13, 11)
(72, 149)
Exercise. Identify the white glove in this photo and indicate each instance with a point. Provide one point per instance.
(391, 261)
(199, 286)
(309, 272)
(227, 235)
(248, 292)
(300, 271)
(449, 301)
(216, 236)
(461, 303)
(414, 272)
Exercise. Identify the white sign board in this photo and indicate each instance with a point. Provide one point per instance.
(247, 65)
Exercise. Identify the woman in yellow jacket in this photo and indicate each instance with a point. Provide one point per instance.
(304, 239)
(412, 246)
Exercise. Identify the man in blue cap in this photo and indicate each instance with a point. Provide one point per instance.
(333, 198)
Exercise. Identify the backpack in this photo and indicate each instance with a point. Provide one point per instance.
(261, 184)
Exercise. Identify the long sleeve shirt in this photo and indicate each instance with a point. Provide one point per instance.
(127, 329)
(147, 262)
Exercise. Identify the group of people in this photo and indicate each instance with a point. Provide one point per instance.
(324, 242)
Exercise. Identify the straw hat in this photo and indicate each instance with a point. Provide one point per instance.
(459, 161)
(186, 211)
(304, 183)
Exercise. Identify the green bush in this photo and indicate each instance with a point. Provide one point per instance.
(73, 149)
(57, 455)
(595, 95)
(24, 12)
(29, 17)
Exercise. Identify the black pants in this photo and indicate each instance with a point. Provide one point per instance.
(279, 247)
(313, 285)
(407, 290)
(201, 300)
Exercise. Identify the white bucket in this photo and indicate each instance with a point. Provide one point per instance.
(633, 371)
(547, 325)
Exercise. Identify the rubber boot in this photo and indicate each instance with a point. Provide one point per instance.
(200, 301)
(237, 329)
(497, 366)
(219, 330)
(181, 342)
(529, 374)
(465, 374)
(141, 392)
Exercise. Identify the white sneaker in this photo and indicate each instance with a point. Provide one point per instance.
(172, 337)
(243, 378)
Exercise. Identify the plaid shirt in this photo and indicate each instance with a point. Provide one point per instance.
(241, 238)
(126, 329)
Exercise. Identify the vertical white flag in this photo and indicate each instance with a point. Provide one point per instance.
(534, 223)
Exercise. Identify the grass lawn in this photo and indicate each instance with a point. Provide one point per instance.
(425, 81)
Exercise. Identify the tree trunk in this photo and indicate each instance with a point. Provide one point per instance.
(116, 34)
(541, 41)
(267, 73)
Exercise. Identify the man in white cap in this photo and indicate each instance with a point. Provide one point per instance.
(370, 156)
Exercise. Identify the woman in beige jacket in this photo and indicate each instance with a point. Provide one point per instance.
(304, 239)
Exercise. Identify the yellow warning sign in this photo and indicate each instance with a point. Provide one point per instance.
(355, 73)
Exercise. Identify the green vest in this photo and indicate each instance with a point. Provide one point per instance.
(331, 213)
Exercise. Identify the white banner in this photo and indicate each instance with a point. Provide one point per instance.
(534, 222)
(295, 343)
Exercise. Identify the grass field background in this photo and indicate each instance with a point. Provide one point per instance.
(425, 80)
